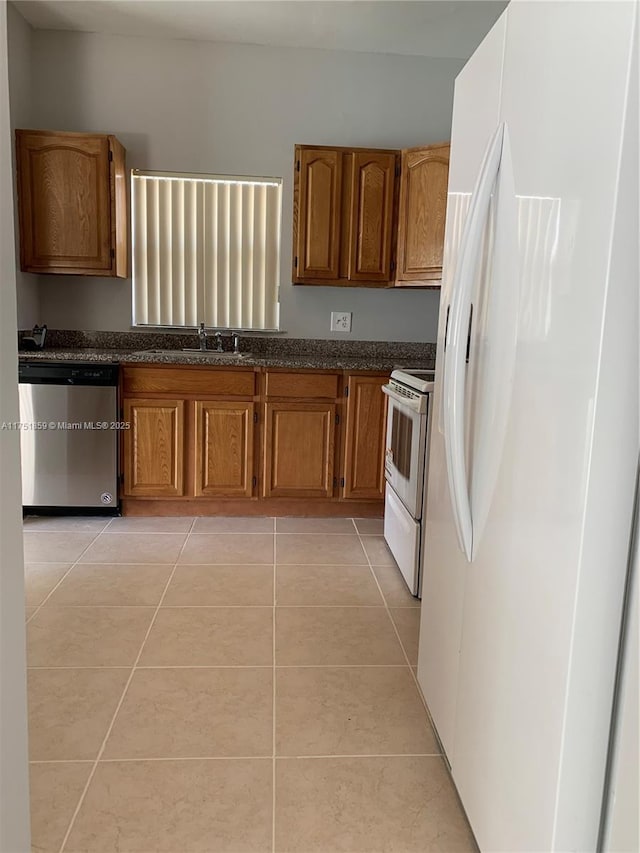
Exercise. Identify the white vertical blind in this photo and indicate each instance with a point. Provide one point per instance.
(206, 249)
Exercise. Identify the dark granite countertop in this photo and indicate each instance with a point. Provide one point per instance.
(298, 353)
(309, 361)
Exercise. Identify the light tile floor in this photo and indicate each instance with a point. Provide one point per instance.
(230, 685)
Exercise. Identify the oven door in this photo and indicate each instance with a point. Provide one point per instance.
(405, 450)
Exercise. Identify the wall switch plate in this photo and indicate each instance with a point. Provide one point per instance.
(341, 321)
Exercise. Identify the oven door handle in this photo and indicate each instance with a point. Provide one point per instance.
(456, 342)
(406, 402)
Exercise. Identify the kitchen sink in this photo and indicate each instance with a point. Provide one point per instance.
(208, 354)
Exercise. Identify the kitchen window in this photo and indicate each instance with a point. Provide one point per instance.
(206, 249)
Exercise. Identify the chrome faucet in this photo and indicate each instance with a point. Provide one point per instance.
(202, 338)
(219, 347)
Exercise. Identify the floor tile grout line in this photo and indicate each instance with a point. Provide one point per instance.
(250, 757)
(238, 757)
(233, 532)
(212, 565)
(120, 702)
(71, 567)
(365, 755)
(228, 606)
(168, 606)
(333, 606)
(273, 700)
(386, 605)
(115, 532)
(190, 532)
(25, 529)
(225, 606)
(269, 758)
(324, 533)
(397, 633)
(406, 656)
(237, 666)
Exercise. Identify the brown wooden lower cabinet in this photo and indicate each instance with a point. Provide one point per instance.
(323, 444)
(154, 448)
(364, 437)
(224, 448)
(299, 449)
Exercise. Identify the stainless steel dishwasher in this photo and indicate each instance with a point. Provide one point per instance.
(69, 436)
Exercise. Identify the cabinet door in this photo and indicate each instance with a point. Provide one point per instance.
(317, 200)
(423, 207)
(365, 438)
(371, 228)
(65, 203)
(154, 448)
(224, 448)
(299, 449)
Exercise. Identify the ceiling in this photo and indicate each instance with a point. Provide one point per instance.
(438, 28)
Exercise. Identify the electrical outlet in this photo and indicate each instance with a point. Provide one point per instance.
(341, 321)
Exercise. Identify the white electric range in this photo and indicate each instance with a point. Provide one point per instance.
(407, 440)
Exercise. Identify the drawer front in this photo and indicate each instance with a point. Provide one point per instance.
(306, 385)
(188, 380)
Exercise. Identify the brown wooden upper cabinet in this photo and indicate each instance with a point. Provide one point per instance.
(423, 205)
(344, 201)
(369, 217)
(72, 203)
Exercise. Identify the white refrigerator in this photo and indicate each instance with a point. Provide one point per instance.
(535, 432)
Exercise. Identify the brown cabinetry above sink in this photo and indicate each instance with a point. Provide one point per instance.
(369, 217)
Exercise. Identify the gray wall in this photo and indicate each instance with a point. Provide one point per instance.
(239, 109)
(19, 51)
(14, 784)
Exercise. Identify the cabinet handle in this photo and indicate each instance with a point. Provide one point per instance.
(255, 417)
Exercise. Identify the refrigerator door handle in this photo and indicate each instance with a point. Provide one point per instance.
(498, 345)
(456, 342)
